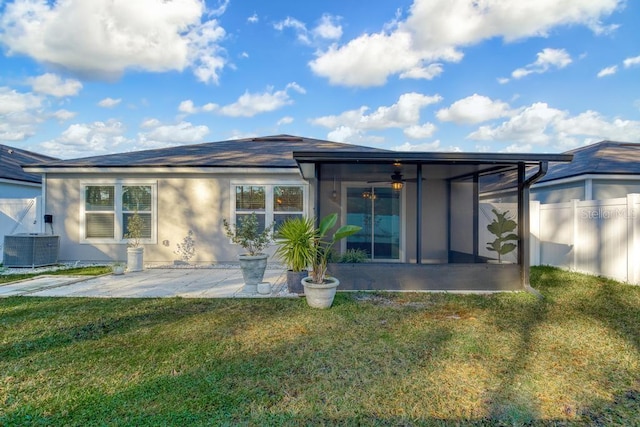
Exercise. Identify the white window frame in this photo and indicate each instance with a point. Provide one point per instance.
(268, 194)
(118, 211)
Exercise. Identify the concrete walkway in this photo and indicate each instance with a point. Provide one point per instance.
(151, 283)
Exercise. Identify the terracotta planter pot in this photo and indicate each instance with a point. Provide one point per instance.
(320, 295)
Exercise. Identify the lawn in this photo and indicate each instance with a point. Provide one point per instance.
(406, 359)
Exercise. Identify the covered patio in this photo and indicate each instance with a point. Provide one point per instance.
(424, 216)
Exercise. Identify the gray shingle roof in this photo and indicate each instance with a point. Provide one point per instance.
(12, 159)
(270, 152)
(605, 157)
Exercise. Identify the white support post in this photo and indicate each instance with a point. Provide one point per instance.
(534, 231)
(574, 207)
(633, 238)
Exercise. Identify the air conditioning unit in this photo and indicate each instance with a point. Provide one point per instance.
(30, 250)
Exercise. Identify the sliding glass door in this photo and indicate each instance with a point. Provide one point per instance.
(377, 210)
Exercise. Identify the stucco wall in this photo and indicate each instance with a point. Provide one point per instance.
(184, 202)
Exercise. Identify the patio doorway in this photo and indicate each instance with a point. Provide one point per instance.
(377, 209)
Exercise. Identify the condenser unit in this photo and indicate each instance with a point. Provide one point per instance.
(30, 250)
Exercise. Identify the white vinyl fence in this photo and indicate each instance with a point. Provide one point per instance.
(600, 237)
(19, 216)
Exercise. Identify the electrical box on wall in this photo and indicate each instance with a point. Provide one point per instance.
(48, 219)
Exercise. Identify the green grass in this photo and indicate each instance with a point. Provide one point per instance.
(75, 271)
(572, 358)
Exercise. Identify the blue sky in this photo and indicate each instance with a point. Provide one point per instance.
(82, 78)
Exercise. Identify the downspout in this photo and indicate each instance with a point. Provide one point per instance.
(524, 254)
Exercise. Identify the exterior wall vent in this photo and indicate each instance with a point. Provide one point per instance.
(30, 250)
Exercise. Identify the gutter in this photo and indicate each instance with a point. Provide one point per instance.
(525, 229)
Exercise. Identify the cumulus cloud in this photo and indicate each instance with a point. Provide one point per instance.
(547, 59)
(435, 31)
(250, 104)
(63, 115)
(608, 71)
(181, 133)
(540, 124)
(104, 38)
(12, 101)
(54, 85)
(328, 28)
(404, 113)
(473, 109)
(87, 139)
(420, 131)
(427, 146)
(109, 102)
(253, 19)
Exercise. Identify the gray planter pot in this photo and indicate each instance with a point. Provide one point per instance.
(320, 296)
(135, 258)
(253, 267)
(294, 281)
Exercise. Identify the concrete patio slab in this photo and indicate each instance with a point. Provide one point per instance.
(151, 283)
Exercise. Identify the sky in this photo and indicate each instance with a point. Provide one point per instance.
(82, 78)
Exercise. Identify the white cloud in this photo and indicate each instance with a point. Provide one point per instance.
(474, 109)
(253, 19)
(427, 146)
(328, 28)
(420, 131)
(285, 121)
(547, 59)
(436, 30)
(630, 62)
(540, 124)
(250, 104)
(608, 71)
(109, 102)
(299, 27)
(404, 113)
(16, 102)
(116, 35)
(181, 133)
(187, 107)
(88, 139)
(150, 123)
(429, 72)
(52, 84)
(63, 115)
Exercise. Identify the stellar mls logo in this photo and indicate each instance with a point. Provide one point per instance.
(607, 213)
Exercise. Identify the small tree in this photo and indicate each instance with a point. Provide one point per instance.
(247, 234)
(135, 229)
(502, 227)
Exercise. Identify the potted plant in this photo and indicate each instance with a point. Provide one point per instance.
(503, 228)
(135, 252)
(294, 240)
(320, 289)
(247, 235)
(118, 268)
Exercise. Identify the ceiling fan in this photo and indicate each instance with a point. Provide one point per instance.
(396, 180)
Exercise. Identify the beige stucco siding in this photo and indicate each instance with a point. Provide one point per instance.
(195, 202)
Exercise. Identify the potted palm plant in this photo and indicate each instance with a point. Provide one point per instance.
(294, 239)
(135, 252)
(503, 228)
(319, 288)
(248, 236)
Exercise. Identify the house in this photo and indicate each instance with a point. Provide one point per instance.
(20, 192)
(15, 183)
(419, 211)
(600, 171)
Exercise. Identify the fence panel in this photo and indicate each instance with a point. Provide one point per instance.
(19, 216)
(599, 237)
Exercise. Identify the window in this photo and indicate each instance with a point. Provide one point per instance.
(107, 210)
(271, 203)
